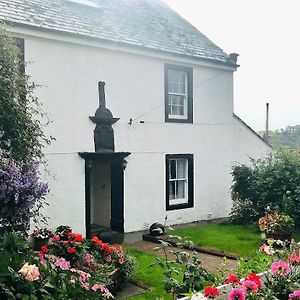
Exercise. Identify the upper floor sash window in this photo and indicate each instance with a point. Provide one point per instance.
(178, 94)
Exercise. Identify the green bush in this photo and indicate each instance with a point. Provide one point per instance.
(273, 181)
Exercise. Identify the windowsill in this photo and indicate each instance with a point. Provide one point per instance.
(179, 206)
(169, 120)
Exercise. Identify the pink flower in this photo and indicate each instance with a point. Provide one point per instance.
(267, 249)
(249, 286)
(30, 272)
(280, 268)
(62, 263)
(102, 288)
(237, 294)
(83, 277)
(253, 277)
(294, 259)
(295, 295)
(88, 258)
(41, 256)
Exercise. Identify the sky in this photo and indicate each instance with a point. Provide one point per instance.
(266, 35)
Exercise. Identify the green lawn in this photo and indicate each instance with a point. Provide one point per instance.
(150, 276)
(236, 239)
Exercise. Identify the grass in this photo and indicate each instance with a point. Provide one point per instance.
(236, 239)
(150, 276)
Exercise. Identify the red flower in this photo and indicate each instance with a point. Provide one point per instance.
(55, 238)
(211, 292)
(255, 278)
(78, 238)
(96, 240)
(44, 249)
(71, 250)
(232, 278)
(65, 243)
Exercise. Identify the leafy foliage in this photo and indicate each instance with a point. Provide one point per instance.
(20, 111)
(273, 181)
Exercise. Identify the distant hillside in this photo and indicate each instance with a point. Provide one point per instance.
(288, 137)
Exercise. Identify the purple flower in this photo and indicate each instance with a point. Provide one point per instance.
(21, 192)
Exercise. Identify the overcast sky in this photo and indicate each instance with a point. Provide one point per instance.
(266, 34)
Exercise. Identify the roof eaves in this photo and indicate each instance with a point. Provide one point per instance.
(227, 63)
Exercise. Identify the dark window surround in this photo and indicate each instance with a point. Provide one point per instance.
(189, 72)
(190, 203)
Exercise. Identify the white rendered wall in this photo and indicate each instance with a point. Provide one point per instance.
(135, 86)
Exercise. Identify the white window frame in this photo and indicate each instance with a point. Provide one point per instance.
(185, 98)
(176, 180)
(187, 116)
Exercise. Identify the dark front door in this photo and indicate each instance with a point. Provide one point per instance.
(116, 162)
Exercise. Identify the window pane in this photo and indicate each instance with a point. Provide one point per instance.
(180, 191)
(177, 81)
(172, 190)
(172, 169)
(176, 105)
(181, 169)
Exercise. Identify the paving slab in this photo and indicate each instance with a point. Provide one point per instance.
(130, 290)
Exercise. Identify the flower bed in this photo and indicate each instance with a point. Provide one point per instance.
(70, 267)
(281, 282)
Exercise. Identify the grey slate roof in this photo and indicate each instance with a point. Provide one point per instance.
(141, 23)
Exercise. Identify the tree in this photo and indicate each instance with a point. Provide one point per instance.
(21, 141)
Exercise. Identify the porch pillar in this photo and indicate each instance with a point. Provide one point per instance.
(117, 196)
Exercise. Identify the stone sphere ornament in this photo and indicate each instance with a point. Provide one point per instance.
(157, 229)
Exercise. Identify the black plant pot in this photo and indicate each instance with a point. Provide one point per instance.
(39, 242)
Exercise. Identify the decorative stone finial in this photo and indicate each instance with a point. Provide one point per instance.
(103, 133)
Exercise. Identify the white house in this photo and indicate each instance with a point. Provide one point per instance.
(168, 136)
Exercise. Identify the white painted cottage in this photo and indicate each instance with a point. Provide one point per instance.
(166, 135)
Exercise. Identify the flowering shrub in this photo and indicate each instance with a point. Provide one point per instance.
(276, 224)
(73, 268)
(21, 193)
(105, 262)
